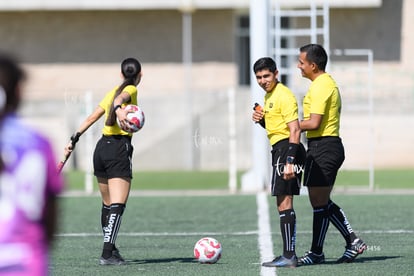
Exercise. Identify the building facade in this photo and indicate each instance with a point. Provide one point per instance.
(74, 47)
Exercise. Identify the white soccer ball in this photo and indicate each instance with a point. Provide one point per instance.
(207, 250)
(136, 119)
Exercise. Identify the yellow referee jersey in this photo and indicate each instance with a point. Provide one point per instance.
(106, 103)
(281, 108)
(323, 98)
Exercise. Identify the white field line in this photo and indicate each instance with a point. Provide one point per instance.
(221, 192)
(245, 233)
(265, 234)
(161, 234)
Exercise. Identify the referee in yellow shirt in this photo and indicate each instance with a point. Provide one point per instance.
(325, 155)
(112, 156)
(280, 119)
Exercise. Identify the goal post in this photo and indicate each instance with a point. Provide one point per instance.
(231, 98)
(257, 177)
(364, 72)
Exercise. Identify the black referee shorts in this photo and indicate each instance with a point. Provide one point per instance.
(324, 158)
(279, 154)
(113, 156)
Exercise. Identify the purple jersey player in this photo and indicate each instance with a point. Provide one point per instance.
(29, 184)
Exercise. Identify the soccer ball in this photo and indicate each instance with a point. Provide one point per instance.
(207, 250)
(136, 119)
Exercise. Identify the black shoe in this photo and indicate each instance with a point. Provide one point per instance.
(116, 254)
(356, 248)
(113, 260)
(311, 258)
(282, 262)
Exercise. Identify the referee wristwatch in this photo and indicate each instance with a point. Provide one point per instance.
(290, 160)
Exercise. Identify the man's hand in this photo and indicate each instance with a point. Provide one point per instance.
(258, 113)
(257, 116)
(289, 171)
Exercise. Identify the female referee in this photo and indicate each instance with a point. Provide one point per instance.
(112, 156)
(325, 155)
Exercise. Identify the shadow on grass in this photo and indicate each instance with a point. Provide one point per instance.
(166, 260)
(364, 259)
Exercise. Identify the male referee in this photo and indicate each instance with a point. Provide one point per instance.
(321, 113)
(279, 117)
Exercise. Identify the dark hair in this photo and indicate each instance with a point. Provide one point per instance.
(264, 63)
(315, 53)
(10, 76)
(130, 69)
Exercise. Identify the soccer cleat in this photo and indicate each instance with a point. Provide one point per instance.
(113, 260)
(282, 262)
(116, 254)
(311, 258)
(356, 248)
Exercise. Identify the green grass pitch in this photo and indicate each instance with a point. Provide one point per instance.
(158, 234)
(202, 180)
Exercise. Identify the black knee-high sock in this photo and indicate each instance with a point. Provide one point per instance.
(320, 227)
(104, 216)
(338, 218)
(288, 231)
(111, 228)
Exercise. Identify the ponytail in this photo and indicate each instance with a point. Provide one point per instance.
(110, 121)
(130, 69)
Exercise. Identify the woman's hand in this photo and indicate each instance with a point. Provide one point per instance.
(121, 114)
(68, 149)
(71, 145)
